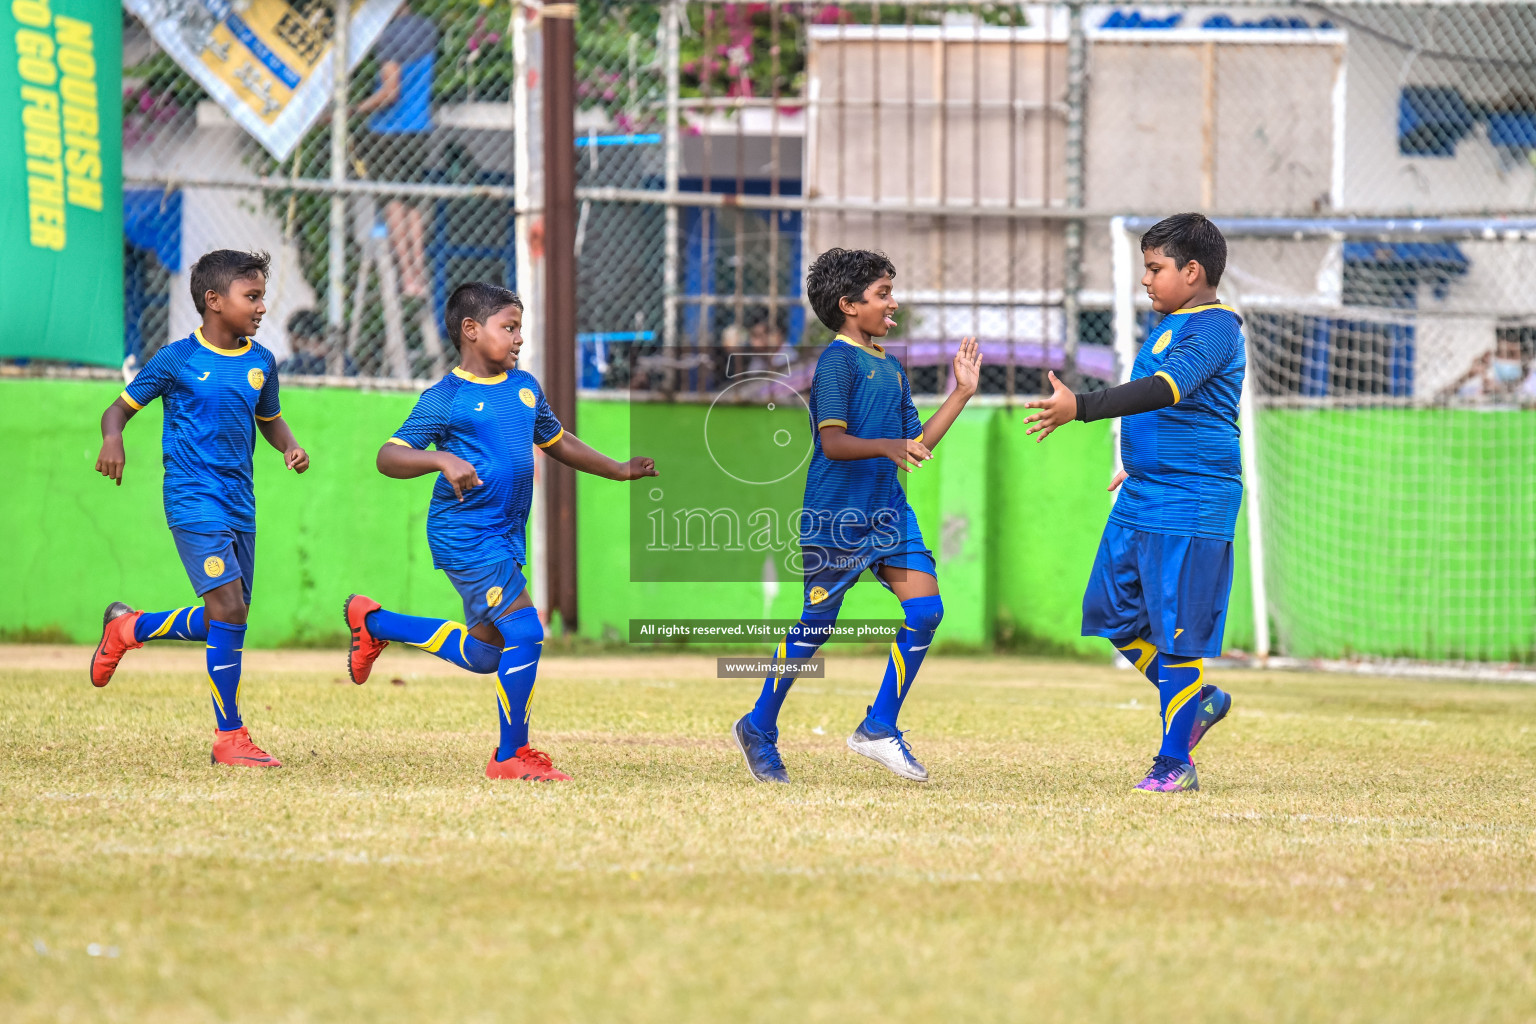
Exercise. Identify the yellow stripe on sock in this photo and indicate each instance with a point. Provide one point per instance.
(501, 698)
(434, 643)
(218, 701)
(170, 620)
(783, 653)
(528, 707)
(901, 668)
(189, 621)
(1185, 695)
(1143, 654)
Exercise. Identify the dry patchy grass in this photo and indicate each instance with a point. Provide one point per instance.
(1362, 851)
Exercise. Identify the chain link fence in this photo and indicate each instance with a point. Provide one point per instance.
(721, 145)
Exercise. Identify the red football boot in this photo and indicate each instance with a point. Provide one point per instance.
(235, 747)
(527, 763)
(116, 640)
(365, 649)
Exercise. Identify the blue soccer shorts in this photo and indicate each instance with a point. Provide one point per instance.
(1167, 589)
(214, 555)
(830, 571)
(487, 593)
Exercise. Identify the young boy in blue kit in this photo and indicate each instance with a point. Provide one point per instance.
(1163, 572)
(855, 515)
(484, 420)
(218, 387)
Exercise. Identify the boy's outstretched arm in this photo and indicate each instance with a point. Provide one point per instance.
(1141, 395)
(576, 453)
(840, 446)
(280, 436)
(402, 462)
(110, 462)
(967, 367)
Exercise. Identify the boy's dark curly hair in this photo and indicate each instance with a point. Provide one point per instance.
(1189, 236)
(843, 274)
(478, 300)
(216, 271)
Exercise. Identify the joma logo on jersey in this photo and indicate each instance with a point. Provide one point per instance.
(527, 396)
(205, 375)
(256, 378)
(479, 407)
(1162, 342)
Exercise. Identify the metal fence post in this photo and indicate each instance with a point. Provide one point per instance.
(1072, 271)
(559, 28)
(336, 267)
(673, 164)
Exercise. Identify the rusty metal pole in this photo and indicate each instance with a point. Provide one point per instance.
(559, 32)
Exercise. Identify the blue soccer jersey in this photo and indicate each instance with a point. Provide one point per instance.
(864, 389)
(1184, 461)
(492, 423)
(212, 398)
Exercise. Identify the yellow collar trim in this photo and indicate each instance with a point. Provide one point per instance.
(242, 350)
(459, 371)
(872, 348)
(1208, 305)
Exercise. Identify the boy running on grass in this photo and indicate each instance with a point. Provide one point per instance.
(1163, 572)
(855, 516)
(217, 388)
(484, 419)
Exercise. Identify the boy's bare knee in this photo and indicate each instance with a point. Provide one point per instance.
(226, 607)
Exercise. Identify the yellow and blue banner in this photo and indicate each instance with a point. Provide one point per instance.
(266, 62)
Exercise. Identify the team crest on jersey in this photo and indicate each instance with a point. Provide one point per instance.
(213, 565)
(527, 396)
(818, 595)
(256, 377)
(493, 597)
(1162, 342)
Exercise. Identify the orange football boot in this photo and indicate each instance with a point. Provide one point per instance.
(365, 649)
(235, 747)
(527, 763)
(116, 640)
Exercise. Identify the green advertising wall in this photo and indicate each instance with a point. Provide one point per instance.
(61, 142)
(1014, 526)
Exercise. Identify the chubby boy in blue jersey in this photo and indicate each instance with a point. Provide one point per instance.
(484, 420)
(855, 515)
(1163, 572)
(218, 387)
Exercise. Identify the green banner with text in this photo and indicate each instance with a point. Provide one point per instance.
(61, 156)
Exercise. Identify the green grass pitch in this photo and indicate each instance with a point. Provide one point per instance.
(1363, 850)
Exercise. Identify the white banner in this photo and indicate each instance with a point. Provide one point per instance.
(267, 62)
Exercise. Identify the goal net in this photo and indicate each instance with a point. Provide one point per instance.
(1389, 422)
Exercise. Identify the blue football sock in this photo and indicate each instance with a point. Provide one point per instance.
(523, 636)
(802, 641)
(1179, 689)
(180, 624)
(445, 638)
(226, 641)
(923, 615)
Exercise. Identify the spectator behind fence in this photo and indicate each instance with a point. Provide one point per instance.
(307, 337)
(398, 141)
(1497, 375)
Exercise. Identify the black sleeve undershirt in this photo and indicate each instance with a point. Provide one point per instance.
(1142, 395)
